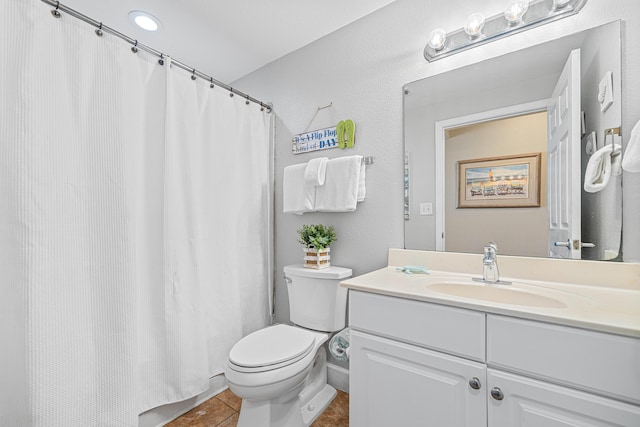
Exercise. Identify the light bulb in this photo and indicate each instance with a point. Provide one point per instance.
(515, 11)
(473, 26)
(437, 38)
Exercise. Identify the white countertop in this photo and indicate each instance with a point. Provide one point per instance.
(607, 309)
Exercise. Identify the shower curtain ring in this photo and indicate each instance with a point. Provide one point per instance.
(161, 60)
(99, 30)
(211, 85)
(231, 92)
(247, 101)
(134, 48)
(193, 74)
(55, 12)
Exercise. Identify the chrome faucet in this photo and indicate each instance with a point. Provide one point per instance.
(490, 272)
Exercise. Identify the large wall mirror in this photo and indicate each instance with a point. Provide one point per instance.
(500, 151)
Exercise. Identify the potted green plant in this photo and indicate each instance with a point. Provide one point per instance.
(317, 240)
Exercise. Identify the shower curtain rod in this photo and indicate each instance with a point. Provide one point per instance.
(136, 45)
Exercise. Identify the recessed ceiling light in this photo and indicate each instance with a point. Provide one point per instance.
(144, 20)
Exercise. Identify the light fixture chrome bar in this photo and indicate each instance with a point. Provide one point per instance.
(105, 29)
(496, 27)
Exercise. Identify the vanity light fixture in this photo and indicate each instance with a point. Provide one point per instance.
(559, 4)
(144, 20)
(518, 16)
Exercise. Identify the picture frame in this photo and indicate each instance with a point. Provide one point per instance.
(499, 182)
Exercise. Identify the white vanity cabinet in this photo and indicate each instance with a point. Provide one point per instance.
(397, 384)
(415, 363)
(406, 367)
(526, 402)
(553, 375)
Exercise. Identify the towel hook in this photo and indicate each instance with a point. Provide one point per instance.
(612, 132)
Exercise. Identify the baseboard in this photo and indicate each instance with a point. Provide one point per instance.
(164, 414)
(338, 377)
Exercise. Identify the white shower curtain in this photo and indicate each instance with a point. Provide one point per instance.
(133, 225)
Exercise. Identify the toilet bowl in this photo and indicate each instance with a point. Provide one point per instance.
(280, 372)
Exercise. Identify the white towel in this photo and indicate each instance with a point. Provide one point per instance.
(599, 169)
(341, 188)
(315, 172)
(362, 187)
(631, 159)
(297, 196)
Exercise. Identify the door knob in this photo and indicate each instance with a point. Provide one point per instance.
(497, 394)
(474, 383)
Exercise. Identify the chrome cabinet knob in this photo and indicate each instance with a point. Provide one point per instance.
(497, 394)
(474, 383)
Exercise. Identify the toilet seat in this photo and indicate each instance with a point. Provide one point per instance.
(271, 348)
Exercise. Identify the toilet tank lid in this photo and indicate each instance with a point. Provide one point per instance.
(333, 272)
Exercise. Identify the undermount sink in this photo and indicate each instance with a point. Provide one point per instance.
(504, 294)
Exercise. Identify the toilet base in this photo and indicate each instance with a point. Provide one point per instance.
(318, 404)
(272, 413)
(298, 408)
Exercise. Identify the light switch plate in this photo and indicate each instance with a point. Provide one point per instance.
(426, 209)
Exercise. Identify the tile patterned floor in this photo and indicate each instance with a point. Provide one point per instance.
(223, 409)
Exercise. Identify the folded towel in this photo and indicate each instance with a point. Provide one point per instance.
(316, 170)
(599, 169)
(631, 159)
(340, 190)
(298, 197)
(616, 160)
(362, 187)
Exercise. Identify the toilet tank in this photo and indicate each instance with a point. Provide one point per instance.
(316, 300)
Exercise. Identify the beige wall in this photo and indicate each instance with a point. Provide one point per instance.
(517, 231)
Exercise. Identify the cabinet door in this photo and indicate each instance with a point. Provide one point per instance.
(530, 403)
(396, 384)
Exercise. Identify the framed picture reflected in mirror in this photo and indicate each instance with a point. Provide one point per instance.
(499, 182)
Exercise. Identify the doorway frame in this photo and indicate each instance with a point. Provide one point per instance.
(440, 137)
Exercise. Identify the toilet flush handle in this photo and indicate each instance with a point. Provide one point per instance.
(288, 280)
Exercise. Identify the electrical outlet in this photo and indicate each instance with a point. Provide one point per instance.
(426, 209)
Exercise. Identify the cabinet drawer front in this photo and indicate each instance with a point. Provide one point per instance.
(397, 384)
(601, 363)
(453, 330)
(527, 402)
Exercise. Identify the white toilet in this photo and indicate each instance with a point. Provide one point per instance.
(280, 372)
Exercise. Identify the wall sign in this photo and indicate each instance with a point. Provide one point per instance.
(315, 140)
